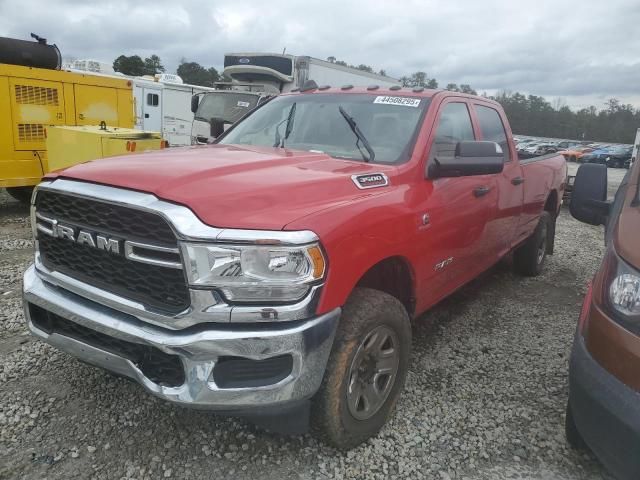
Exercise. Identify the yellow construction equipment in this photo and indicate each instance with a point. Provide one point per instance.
(32, 99)
(68, 146)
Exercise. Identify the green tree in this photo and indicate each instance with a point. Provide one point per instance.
(133, 65)
(153, 65)
(364, 68)
(466, 88)
(418, 79)
(452, 87)
(196, 74)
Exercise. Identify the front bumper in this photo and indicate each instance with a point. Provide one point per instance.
(606, 413)
(199, 349)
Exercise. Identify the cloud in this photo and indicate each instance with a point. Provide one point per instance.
(581, 51)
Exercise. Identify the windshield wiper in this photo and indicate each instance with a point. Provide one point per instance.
(361, 138)
(279, 141)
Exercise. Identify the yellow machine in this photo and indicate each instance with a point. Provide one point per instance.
(68, 146)
(31, 99)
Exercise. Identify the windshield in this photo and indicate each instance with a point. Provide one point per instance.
(388, 123)
(229, 107)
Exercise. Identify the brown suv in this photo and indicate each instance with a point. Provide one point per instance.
(603, 412)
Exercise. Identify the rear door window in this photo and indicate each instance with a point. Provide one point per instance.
(492, 128)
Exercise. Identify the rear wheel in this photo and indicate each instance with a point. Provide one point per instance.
(528, 259)
(366, 369)
(22, 194)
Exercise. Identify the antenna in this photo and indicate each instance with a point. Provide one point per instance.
(284, 50)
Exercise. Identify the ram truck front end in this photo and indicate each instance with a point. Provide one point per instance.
(213, 318)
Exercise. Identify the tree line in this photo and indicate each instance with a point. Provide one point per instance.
(528, 114)
(190, 72)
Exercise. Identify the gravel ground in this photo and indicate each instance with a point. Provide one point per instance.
(485, 396)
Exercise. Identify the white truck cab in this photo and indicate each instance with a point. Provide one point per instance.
(215, 111)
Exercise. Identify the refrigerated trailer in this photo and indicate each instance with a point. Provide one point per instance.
(283, 72)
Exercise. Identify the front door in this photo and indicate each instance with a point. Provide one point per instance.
(455, 245)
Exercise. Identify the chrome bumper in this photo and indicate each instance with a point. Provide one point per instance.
(307, 341)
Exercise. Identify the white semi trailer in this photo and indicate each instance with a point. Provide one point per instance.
(258, 76)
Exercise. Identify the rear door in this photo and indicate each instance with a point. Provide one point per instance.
(502, 228)
(152, 109)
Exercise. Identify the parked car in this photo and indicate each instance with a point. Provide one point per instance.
(574, 154)
(603, 411)
(567, 144)
(275, 273)
(619, 157)
(596, 156)
(539, 149)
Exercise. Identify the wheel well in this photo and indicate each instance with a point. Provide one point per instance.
(552, 203)
(394, 276)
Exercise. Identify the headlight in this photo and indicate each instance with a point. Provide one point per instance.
(624, 294)
(252, 273)
(622, 284)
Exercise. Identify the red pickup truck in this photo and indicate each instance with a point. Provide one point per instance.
(276, 273)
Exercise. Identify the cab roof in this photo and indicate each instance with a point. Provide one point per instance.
(394, 90)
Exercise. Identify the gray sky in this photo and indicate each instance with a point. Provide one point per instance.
(583, 51)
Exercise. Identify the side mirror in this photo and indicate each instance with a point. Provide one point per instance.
(589, 195)
(470, 158)
(195, 101)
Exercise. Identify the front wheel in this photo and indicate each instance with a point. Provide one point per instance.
(528, 259)
(22, 194)
(366, 369)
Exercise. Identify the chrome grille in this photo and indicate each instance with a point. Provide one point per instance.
(145, 267)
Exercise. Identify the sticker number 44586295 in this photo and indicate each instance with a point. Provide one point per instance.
(400, 101)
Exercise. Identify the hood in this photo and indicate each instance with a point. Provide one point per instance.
(230, 186)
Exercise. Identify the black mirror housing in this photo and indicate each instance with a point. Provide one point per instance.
(470, 158)
(589, 196)
(195, 101)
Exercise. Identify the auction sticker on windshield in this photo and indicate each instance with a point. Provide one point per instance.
(402, 101)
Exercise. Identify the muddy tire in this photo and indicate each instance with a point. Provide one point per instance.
(574, 438)
(22, 194)
(366, 369)
(528, 259)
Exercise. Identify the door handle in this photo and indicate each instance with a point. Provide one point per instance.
(517, 180)
(481, 191)
(146, 115)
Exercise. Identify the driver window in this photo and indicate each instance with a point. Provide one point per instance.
(454, 126)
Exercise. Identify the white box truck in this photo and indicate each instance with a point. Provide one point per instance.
(163, 104)
(258, 76)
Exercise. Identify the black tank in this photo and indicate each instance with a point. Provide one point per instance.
(30, 54)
